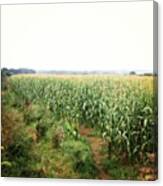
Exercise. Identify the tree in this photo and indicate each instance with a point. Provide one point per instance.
(132, 73)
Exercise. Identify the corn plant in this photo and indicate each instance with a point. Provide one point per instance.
(121, 107)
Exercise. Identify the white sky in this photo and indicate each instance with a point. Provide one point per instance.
(91, 36)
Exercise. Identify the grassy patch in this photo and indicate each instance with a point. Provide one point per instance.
(119, 171)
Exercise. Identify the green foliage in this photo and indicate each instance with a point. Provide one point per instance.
(16, 144)
(5, 73)
(121, 109)
(82, 157)
(57, 137)
(71, 130)
(119, 171)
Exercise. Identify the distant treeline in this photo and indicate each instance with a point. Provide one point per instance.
(12, 71)
(71, 72)
(60, 72)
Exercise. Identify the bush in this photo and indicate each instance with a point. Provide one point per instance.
(15, 144)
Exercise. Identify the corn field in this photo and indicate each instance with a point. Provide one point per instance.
(123, 109)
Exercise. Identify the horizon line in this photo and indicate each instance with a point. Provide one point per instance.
(78, 70)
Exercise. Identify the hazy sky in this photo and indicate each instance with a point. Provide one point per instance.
(91, 36)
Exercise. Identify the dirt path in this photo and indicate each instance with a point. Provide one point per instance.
(145, 173)
(96, 144)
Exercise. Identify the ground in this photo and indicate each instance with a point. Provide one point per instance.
(96, 144)
(146, 173)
